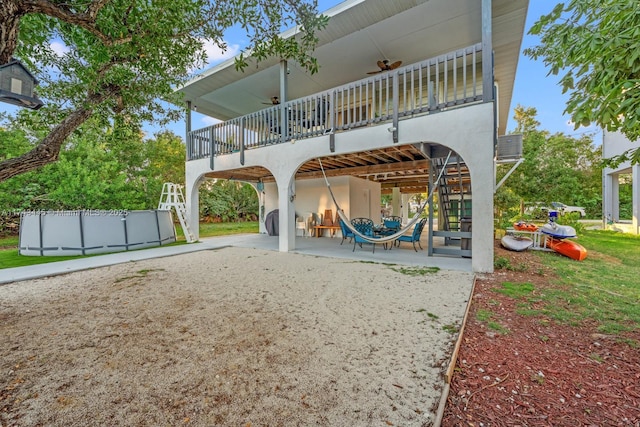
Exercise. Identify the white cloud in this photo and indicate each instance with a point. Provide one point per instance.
(59, 48)
(215, 55)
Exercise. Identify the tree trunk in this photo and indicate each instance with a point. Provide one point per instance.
(48, 149)
(10, 14)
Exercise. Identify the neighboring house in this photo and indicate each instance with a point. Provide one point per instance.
(387, 132)
(615, 144)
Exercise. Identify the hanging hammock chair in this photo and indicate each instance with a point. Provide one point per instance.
(390, 237)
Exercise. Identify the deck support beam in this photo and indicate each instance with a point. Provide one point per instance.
(487, 53)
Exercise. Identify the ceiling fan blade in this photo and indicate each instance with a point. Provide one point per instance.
(274, 101)
(385, 66)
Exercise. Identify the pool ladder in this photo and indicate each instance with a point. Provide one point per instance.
(172, 198)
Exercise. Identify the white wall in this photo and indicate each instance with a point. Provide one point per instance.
(364, 199)
(312, 196)
(615, 143)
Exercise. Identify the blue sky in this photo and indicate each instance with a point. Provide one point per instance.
(533, 88)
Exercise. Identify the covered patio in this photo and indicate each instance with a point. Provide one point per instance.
(330, 247)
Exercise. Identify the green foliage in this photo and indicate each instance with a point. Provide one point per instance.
(572, 220)
(596, 45)
(506, 205)
(625, 193)
(415, 271)
(556, 167)
(123, 59)
(483, 315)
(486, 316)
(525, 118)
(146, 49)
(228, 201)
(451, 328)
(502, 263)
(101, 167)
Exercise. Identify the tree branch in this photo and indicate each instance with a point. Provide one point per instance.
(94, 8)
(48, 149)
(84, 20)
(10, 14)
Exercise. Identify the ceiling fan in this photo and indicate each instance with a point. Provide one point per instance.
(274, 101)
(386, 66)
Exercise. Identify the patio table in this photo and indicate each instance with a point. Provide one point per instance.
(380, 230)
(319, 229)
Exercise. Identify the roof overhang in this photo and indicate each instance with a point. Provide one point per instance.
(359, 33)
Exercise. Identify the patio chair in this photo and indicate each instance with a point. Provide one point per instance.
(365, 227)
(415, 235)
(392, 224)
(346, 233)
(328, 217)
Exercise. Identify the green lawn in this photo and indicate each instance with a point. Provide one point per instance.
(9, 256)
(603, 289)
(223, 229)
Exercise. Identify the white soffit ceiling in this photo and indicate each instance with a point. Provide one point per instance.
(359, 34)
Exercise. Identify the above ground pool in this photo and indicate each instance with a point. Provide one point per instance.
(86, 232)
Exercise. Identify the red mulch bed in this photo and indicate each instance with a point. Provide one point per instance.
(540, 373)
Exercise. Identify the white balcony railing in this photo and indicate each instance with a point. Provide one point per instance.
(447, 81)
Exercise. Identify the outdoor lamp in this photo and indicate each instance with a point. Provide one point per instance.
(16, 86)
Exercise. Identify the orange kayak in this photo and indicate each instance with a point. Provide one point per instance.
(524, 226)
(568, 248)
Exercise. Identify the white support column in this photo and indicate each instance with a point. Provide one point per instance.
(284, 93)
(635, 198)
(479, 157)
(482, 222)
(609, 200)
(395, 201)
(287, 214)
(615, 197)
(487, 52)
(259, 187)
(406, 210)
(192, 203)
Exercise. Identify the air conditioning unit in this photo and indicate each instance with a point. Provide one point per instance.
(509, 147)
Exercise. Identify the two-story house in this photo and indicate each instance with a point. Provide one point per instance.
(412, 95)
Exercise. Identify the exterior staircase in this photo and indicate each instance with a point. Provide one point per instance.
(454, 204)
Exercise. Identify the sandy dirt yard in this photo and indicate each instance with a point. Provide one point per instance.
(232, 337)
